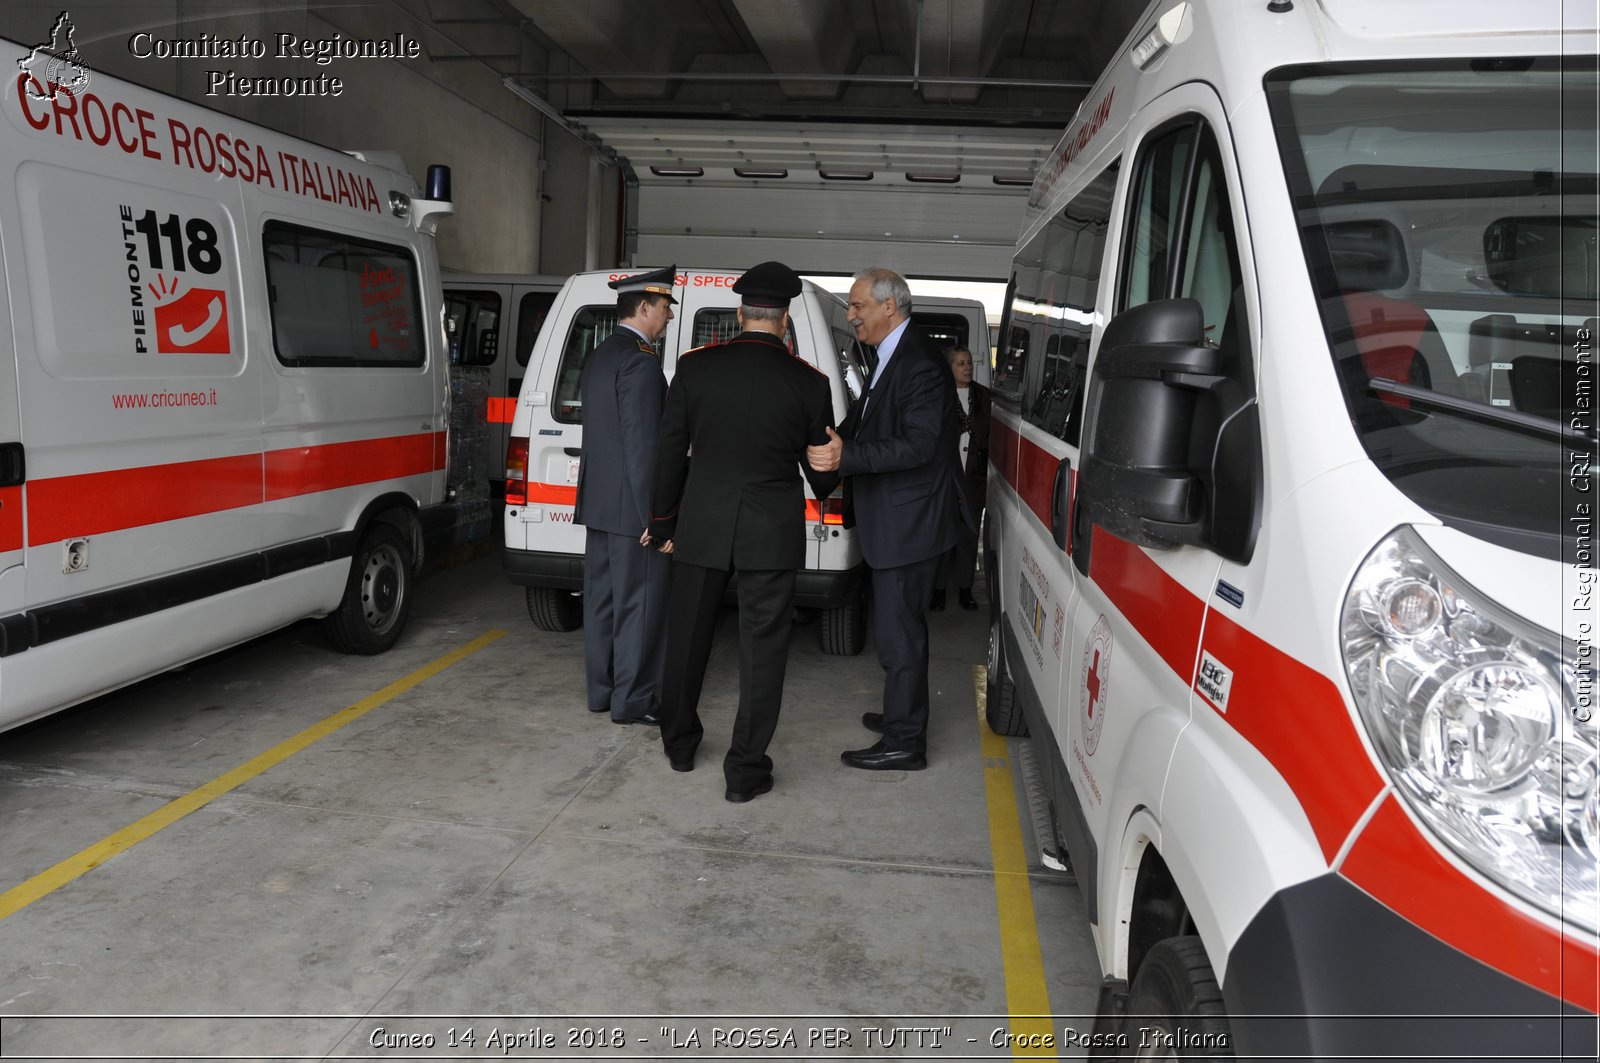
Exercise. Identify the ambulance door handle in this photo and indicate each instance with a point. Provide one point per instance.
(1060, 511)
(572, 452)
(13, 469)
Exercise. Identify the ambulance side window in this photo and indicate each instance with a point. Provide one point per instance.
(1071, 250)
(340, 300)
(472, 321)
(1182, 242)
(721, 324)
(591, 326)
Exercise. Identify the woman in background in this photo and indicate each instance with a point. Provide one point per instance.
(960, 564)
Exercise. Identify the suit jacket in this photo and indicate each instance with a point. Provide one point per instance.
(976, 472)
(622, 389)
(747, 409)
(901, 462)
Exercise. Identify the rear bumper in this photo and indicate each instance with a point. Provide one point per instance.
(813, 588)
(1324, 971)
(539, 568)
(827, 589)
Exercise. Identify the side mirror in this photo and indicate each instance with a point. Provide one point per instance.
(1173, 455)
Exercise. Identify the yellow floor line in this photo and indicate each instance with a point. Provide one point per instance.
(1027, 995)
(19, 897)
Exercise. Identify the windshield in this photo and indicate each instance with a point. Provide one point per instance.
(1448, 217)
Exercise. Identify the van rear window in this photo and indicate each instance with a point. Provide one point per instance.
(338, 300)
(591, 326)
(721, 324)
(945, 330)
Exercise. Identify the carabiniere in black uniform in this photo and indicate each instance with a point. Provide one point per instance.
(748, 408)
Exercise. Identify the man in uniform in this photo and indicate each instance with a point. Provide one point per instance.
(748, 408)
(624, 587)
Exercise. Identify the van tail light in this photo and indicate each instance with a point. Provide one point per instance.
(517, 471)
(827, 511)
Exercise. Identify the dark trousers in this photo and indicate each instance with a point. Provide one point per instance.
(624, 617)
(766, 605)
(900, 625)
(959, 566)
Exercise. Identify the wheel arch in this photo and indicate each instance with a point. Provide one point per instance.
(398, 509)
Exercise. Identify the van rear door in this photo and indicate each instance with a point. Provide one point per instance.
(13, 469)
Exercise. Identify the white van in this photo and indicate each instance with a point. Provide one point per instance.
(544, 550)
(951, 321)
(1291, 528)
(223, 389)
(492, 321)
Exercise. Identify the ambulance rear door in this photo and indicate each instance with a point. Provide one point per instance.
(13, 471)
(585, 315)
(494, 322)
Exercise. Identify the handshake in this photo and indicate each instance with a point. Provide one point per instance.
(825, 456)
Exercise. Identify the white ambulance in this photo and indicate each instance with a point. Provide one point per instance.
(223, 385)
(492, 321)
(1291, 528)
(544, 549)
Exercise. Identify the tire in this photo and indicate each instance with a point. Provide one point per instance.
(1175, 1008)
(842, 630)
(377, 596)
(553, 609)
(1000, 701)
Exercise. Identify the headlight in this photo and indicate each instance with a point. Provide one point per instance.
(1473, 711)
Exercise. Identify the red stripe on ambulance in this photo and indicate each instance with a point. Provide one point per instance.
(305, 470)
(94, 503)
(10, 518)
(1399, 867)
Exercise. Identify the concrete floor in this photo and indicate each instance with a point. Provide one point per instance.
(481, 851)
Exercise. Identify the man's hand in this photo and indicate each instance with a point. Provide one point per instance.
(665, 546)
(825, 458)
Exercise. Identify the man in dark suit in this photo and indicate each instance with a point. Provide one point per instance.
(624, 587)
(903, 485)
(747, 409)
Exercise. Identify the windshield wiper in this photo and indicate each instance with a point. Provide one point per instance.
(1499, 417)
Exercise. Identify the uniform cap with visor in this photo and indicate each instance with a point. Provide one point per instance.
(656, 282)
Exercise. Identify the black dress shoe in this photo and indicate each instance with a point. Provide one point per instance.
(649, 719)
(872, 721)
(739, 797)
(683, 764)
(937, 605)
(603, 708)
(881, 758)
(968, 602)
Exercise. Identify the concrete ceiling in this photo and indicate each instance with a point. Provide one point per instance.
(970, 87)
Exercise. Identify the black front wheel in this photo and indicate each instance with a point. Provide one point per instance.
(1175, 1008)
(377, 596)
(1000, 696)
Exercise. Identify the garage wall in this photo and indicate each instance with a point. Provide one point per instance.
(955, 231)
(456, 113)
